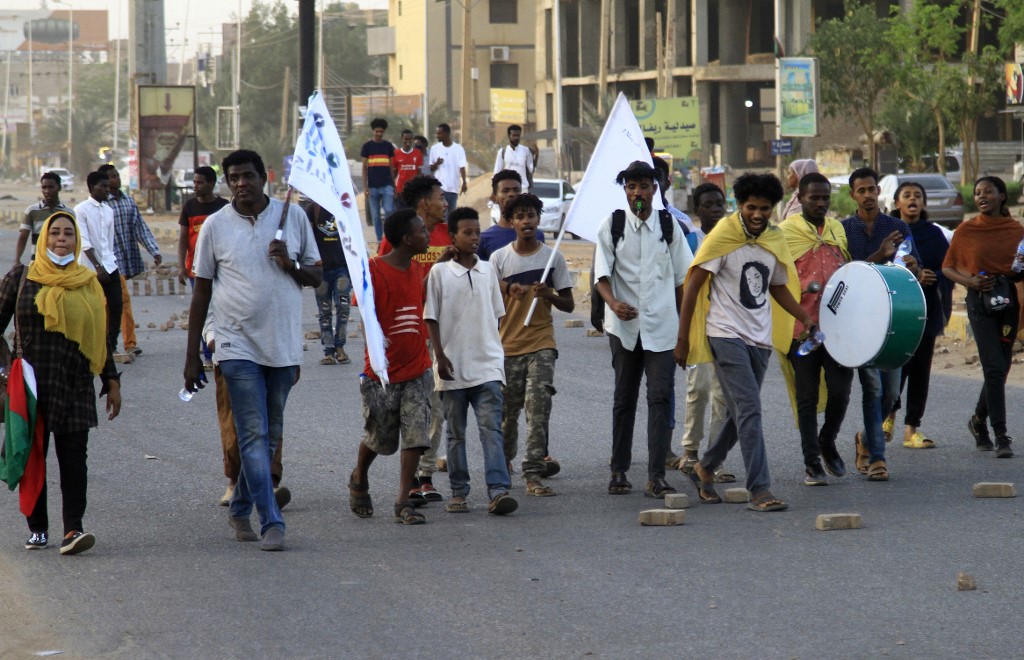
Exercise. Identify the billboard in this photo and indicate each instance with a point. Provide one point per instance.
(798, 94)
(1014, 84)
(165, 120)
(673, 124)
(45, 30)
(508, 106)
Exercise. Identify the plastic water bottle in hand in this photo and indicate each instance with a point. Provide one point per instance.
(1018, 259)
(812, 343)
(905, 248)
(185, 395)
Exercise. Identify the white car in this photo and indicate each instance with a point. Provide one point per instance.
(557, 196)
(67, 179)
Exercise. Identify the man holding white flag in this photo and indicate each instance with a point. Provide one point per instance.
(320, 172)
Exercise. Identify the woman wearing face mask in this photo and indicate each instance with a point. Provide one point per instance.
(60, 317)
(980, 258)
(932, 243)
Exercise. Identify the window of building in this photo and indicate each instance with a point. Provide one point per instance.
(504, 75)
(504, 11)
(400, 76)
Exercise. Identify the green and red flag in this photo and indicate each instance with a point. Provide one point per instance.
(23, 460)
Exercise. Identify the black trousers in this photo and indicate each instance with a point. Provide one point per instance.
(630, 366)
(995, 336)
(115, 306)
(71, 455)
(916, 376)
(838, 381)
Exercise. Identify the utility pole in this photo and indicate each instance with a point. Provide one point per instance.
(559, 116)
(467, 73)
(7, 98)
(117, 83)
(602, 55)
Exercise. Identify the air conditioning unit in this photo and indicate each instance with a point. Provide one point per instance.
(499, 53)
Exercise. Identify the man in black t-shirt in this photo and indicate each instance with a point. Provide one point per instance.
(332, 296)
(193, 213)
(379, 175)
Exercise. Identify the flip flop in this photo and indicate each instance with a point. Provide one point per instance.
(918, 441)
(766, 502)
(457, 507)
(538, 489)
(406, 514)
(705, 490)
(359, 501)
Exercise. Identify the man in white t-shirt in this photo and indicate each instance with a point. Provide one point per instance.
(517, 157)
(448, 163)
(741, 266)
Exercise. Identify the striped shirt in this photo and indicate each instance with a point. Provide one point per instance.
(130, 230)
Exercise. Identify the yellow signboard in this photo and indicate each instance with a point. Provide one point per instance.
(508, 106)
(673, 124)
(165, 119)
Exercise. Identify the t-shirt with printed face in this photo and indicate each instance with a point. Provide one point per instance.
(378, 157)
(398, 297)
(740, 304)
(439, 240)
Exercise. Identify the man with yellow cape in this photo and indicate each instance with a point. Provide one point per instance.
(738, 302)
(819, 248)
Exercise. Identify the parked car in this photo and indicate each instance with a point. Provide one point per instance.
(945, 203)
(557, 196)
(954, 160)
(67, 179)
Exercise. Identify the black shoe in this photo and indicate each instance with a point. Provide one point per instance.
(658, 488)
(283, 496)
(1003, 446)
(835, 465)
(37, 541)
(814, 475)
(979, 430)
(619, 485)
(79, 542)
(551, 467)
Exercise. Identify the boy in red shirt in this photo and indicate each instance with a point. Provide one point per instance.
(396, 417)
(408, 160)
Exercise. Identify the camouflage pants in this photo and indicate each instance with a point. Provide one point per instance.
(529, 384)
(428, 462)
(334, 291)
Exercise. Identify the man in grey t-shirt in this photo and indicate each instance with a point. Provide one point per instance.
(254, 294)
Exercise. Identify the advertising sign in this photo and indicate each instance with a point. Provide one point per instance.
(798, 91)
(1014, 84)
(508, 106)
(673, 124)
(165, 120)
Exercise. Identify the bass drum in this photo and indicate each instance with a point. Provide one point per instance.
(872, 315)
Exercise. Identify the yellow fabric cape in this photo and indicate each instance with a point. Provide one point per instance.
(71, 299)
(802, 236)
(728, 235)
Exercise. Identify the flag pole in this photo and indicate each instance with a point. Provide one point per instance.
(284, 214)
(547, 269)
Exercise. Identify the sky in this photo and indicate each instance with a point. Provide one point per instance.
(198, 15)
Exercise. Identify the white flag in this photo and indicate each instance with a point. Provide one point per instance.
(621, 143)
(320, 172)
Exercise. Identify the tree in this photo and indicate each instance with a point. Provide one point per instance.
(857, 66)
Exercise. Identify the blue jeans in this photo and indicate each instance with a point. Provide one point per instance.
(258, 395)
(487, 403)
(385, 195)
(452, 199)
(334, 290)
(880, 389)
(203, 348)
(740, 369)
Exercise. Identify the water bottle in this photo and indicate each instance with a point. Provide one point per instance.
(1018, 259)
(185, 395)
(905, 248)
(812, 343)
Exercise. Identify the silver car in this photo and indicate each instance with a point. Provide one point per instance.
(557, 196)
(945, 203)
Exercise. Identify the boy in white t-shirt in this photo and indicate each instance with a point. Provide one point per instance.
(530, 352)
(727, 315)
(462, 310)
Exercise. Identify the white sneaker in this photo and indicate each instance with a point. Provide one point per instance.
(226, 499)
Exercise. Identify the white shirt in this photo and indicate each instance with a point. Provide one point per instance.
(466, 303)
(741, 305)
(448, 172)
(643, 272)
(96, 222)
(519, 160)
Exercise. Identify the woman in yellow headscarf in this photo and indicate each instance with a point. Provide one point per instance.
(60, 317)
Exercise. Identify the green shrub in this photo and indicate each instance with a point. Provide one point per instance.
(843, 206)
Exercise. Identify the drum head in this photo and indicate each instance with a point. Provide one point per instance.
(855, 314)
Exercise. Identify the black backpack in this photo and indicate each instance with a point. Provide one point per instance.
(597, 303)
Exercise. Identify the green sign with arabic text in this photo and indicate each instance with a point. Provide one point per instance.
(673, 124)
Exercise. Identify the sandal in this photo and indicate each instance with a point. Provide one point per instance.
(705, 489)
(359, 500)
(658, 488)
(406, 514)
(918, 441)
(455, 506)
(539, 489)
(723, 476)
(863, 458)
(328, 359)
(687, 462)
(767, 502)
(551, 467)
(877, 472)
(673, 462)
(618, 485)
(887, 426)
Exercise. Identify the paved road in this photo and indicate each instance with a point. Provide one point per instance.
(569, 576)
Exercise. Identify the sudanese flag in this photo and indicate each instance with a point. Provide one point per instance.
(23, 459)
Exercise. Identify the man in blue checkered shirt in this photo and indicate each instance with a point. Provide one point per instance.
(129, 231)
(874, 237)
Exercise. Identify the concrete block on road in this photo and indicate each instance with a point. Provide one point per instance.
(830, 521)
(662, 517)
(737, 495)
(677, 501)
(574, 323)
(592, 332)
(989, 489)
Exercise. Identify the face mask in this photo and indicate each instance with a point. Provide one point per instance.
(58, 260)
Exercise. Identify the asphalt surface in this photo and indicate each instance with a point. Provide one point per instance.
(567, 576)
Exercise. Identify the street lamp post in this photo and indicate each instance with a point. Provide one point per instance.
(71, 58)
